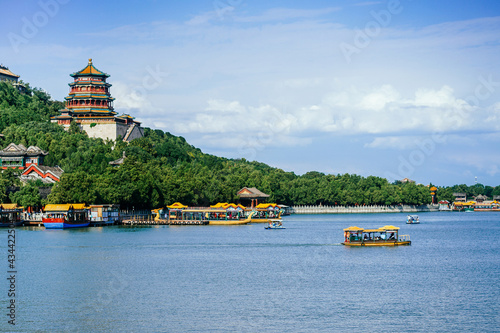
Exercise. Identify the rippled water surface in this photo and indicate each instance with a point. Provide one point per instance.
(248, 279)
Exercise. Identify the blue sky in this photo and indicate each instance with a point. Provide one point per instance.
(395, 89)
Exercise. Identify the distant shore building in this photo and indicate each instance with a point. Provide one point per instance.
(251, 196)
(90, 105)
(7, 76)
(460, 197)
(433, 190)
(20, 157)
(30, 161)
(481, 198)
(444, 205)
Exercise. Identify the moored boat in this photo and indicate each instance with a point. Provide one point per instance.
(10, 215)
(214, 216)
(464, 206)
(63, 216)
(265, 213)
(384, 236)
(412, 219)
(104, 214)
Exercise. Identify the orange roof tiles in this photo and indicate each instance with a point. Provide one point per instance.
(90, 70)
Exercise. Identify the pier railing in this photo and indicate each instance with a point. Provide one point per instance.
(319, 209)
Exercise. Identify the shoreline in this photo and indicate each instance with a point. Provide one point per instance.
(365, 209)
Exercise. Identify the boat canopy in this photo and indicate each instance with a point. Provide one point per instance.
(219, 205)
(372, 230)
(63, 207)
(177, 205)
(268, 206)
(202, 210)
(389, 227)
(382, 229)
(469, 203)
(10, 206)
(354, 229)
(230, 206)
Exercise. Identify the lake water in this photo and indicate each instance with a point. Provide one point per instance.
(248, 279)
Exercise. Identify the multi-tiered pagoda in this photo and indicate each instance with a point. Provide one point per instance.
(90, 105)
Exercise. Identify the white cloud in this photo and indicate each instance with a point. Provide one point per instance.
(282, 14)
(279, 79)
(394, 142)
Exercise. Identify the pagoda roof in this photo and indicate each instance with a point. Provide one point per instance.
(20, 150)
(85, 95)
(251, 192)
(62, 117)
(88, 110)
(90, 70)
(126, 116)
(5, 71)
(89, 83)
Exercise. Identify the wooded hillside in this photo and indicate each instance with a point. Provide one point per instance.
(162, 168)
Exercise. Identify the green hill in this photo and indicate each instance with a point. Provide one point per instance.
(162, 168)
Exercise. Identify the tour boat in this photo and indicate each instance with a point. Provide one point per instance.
(212, 216)
(275, 225)
(10, 215)
(63, 216)
(265, 213)
(385, 236)
(412, 219)
(464, 206)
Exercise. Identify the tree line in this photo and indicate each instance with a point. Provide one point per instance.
(162, 168)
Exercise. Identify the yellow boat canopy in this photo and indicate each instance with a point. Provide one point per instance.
(469, 203)
(177, 205)
(219, 205)
(225, 205)
(354, 229)
(389, 227)
(63, 207)
(267, 206)
(10, 206)
(383, 229)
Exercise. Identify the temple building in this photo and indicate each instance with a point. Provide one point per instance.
(30, 161)
(90, 105)
(7, 76)
(20, 157)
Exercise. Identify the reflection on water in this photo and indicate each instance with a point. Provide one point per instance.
(245, 278)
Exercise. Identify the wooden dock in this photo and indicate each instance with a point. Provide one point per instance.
(162, 222)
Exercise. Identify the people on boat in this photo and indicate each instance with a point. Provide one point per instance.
(391, 236)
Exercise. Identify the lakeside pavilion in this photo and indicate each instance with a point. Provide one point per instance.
(250, 196)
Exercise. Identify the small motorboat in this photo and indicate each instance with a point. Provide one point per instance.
(275, 225)
(412, 219)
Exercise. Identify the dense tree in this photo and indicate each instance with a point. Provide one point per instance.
(28, 195)
(161, 168)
